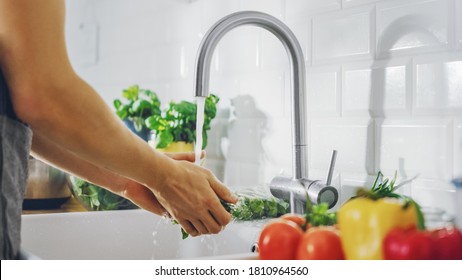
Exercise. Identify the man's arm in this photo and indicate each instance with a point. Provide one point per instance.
(55, 155)
(51, 98)
(59, 106)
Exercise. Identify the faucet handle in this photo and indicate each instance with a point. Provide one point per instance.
(331, 167)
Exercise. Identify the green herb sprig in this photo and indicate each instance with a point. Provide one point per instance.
(318, 215)
(383, 188)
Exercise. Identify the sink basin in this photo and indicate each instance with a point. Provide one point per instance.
(130, 234)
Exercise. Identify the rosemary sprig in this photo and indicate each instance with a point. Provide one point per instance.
(387, 188)
(384, 188)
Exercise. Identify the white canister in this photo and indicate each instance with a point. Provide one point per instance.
(458, 184)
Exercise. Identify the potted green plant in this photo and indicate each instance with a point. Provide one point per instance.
(138, 105)
(174, 130)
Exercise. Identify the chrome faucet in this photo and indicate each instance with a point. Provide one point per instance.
(294, 189)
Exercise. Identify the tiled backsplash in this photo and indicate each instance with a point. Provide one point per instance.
(384, 83)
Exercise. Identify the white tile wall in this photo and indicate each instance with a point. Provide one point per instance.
(323, 87)
(357, 84)
(349, 189)
(226, 87)
(350, 184)
(458, 20)
(273, 7)
(74, 19)
(277, 147)
(267, 91)
(343, 34)
(411, 26)
(376, 88)
(422, 147)
(239, 51)
(431, 193)
(439, 85)
(214, 10)
(390, 90)
(352, 138)
(350, 3)
(309, 7)
(383, 83)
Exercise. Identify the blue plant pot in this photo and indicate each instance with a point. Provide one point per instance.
(143, 134)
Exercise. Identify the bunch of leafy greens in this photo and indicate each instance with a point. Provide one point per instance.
(178, 122)
(97, 198)
(138, 105)
(252, 208)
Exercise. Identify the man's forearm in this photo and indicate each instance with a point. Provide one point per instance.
(48, 151)
(55, 155)
(88, 128)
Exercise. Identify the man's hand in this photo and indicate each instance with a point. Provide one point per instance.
(143, 197)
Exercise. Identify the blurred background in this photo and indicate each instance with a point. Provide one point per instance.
(384, 83)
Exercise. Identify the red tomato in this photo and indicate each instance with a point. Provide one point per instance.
(298, 219)
(279, 240)
(407, 244)
(447, 244)
(320, 243)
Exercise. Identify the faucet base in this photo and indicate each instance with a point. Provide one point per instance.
(296, 192)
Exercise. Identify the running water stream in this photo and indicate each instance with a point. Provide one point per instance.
(200, 100)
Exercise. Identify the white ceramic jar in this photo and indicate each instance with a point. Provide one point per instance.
(458, 184)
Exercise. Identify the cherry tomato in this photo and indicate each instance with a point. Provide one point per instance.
(279, 240)
(298, 219)
(320, 243)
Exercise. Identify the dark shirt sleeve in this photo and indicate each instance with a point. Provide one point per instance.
(6, 107)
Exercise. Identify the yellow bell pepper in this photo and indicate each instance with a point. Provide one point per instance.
(364, 223)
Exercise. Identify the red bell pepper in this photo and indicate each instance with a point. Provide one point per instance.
(414, 244)
(407, 244)
(447, 244)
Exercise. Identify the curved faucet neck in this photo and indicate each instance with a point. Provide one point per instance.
(297, 63)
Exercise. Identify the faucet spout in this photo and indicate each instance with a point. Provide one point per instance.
(297, 63)
(280, 187)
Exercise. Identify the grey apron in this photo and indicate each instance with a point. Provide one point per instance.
(15, 142)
